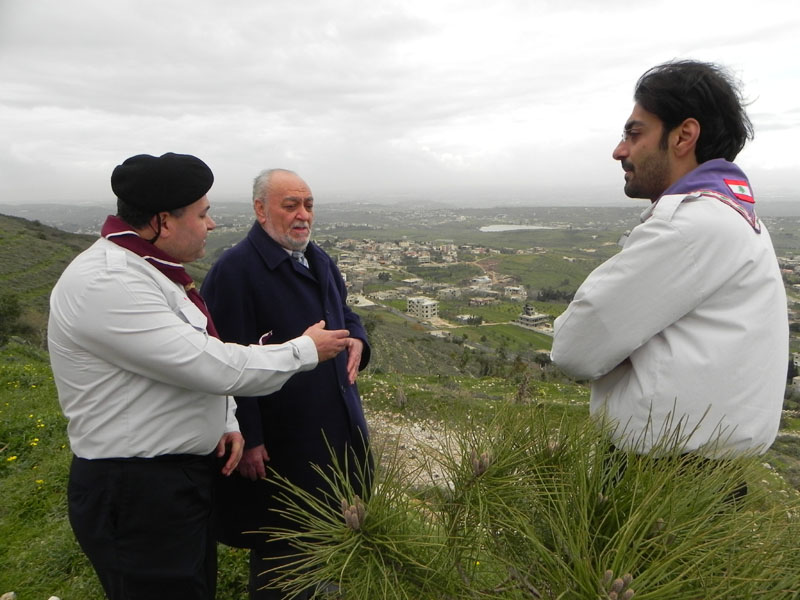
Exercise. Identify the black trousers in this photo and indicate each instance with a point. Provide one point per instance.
(146, 525)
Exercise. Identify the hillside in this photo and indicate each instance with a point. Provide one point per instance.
(32, 256)
(417, 391)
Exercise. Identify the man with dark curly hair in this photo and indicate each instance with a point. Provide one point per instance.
(684, 333)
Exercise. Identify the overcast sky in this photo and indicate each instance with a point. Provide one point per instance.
(496, 101)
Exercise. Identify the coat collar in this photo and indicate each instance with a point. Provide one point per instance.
(273, 254)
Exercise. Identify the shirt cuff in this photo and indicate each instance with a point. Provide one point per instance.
(306, 352)
(231, 424)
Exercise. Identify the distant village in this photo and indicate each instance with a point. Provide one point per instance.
(364, 261)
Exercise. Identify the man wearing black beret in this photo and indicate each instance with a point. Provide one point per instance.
(144, 381)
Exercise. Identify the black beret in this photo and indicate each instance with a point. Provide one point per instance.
(161, 183)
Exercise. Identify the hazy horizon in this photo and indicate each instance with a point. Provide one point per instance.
(783, 205)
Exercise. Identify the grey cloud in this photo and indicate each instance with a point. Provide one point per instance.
(354, 93)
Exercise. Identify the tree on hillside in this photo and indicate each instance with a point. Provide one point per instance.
(552, 295)
(10, 313)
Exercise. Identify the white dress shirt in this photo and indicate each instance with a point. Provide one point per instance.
(684, 331)
(137, 373)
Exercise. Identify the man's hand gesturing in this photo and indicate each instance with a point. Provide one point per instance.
(328, 342)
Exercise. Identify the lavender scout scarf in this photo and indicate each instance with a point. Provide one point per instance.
(118, 231)
(724, 181)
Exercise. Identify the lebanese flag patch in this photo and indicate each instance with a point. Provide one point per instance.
(740, 189)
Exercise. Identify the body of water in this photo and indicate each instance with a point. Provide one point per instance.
(495, 228)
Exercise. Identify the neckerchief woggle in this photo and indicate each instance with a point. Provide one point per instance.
(724, 181)
(118, 231)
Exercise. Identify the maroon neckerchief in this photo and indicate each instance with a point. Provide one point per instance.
(118, 231)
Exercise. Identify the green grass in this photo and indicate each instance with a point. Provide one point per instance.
(39, 555)
(511, 340)
(41, 558)
(553, 269)
(32, 256)
(492, 313)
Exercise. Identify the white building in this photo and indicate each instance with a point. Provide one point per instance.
(515, 292)
(530, 318)
(422, 307)
(413, 281)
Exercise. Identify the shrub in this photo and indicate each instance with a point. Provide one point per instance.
(10, 313)
(529, 510)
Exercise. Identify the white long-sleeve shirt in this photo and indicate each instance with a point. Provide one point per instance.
(685, 329)
(137, 373)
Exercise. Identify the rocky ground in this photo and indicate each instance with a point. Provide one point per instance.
(412, 442)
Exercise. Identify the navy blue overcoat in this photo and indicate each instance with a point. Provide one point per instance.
(255, 288)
